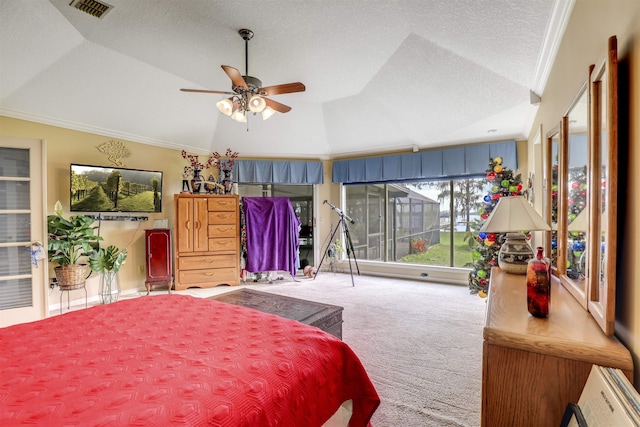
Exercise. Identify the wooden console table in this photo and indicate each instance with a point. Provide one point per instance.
(531, 368)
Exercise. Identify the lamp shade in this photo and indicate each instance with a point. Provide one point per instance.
(579, 223)
(225, 106)
(239, 115)
(267, 112)
(514, 214)
(257, 104)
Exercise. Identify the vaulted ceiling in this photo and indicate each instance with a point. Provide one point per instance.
(380, 75)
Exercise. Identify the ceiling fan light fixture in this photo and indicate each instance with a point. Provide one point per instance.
(225, 106)
(267, 112)
(239, 116)
(257, 104)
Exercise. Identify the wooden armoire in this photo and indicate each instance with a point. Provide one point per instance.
(207, 231)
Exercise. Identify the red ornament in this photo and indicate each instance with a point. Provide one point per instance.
(491, 237)
(496, 196)
(515, 193)
(575, 185)
(483, 282)
(604, 184)
(491, 176)
(484, 216)
(519, 187)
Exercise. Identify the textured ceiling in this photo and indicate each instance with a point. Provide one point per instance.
(380, 75)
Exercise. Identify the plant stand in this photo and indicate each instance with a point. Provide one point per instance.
(109, 289)
(70, 288)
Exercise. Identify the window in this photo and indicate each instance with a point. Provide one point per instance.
(417, 223)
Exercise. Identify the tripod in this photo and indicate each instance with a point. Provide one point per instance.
(342, 224)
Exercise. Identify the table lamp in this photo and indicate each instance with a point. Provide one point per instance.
(513, 215)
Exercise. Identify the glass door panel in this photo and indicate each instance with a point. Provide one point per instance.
(21, 224)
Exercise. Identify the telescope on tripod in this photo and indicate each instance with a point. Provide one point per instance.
(342, 224)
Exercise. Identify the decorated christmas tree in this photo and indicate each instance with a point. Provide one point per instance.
(554, 214)
(577, 201)
(503, 183)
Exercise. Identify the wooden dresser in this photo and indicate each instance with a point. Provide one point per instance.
(207, 229)
(531, 368)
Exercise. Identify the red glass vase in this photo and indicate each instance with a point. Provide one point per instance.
(538, 285)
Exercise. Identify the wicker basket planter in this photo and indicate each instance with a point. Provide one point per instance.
(71, 276)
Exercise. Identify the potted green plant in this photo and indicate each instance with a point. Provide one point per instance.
(108, 262)
(70, 241)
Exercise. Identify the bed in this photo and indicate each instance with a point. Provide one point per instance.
(179, 360)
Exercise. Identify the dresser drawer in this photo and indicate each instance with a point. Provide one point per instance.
(207, 261)
(222, 204)
(223, 230)
(226, 244)
(211, 276)
(223, 217)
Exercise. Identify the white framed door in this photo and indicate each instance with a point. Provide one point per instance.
(22, 223)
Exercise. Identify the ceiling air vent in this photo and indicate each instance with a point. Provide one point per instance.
(92, 7)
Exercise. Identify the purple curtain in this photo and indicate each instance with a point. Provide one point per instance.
(272, 234)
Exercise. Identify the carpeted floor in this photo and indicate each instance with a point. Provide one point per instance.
(420, 342)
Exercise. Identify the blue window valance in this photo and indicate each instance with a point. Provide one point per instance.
(278, 172)
(450, 163)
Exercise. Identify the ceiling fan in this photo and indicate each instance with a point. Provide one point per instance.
(248, 94)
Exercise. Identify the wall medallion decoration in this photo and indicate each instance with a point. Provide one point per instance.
(115, 151)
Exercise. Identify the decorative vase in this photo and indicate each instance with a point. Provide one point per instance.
(109, 289)
(538, 285)
(227, 180)
(210, 185)
(514, 254)
(196, 182)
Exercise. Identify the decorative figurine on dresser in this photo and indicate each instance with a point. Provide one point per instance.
(207, 231)
(158, 258)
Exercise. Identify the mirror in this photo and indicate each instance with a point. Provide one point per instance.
(551, 186)
(574, 192)
(604, 125)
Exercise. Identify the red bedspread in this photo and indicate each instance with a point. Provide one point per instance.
(177, 360)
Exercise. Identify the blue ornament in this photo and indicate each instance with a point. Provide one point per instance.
(487, 198)
(482, 235)
(554, 244)
(578, 246)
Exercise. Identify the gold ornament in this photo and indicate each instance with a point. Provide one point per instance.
(115, 151)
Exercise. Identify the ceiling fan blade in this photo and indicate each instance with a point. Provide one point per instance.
(207, 91)
(277, 106)
(235, 76)
(284, 88)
